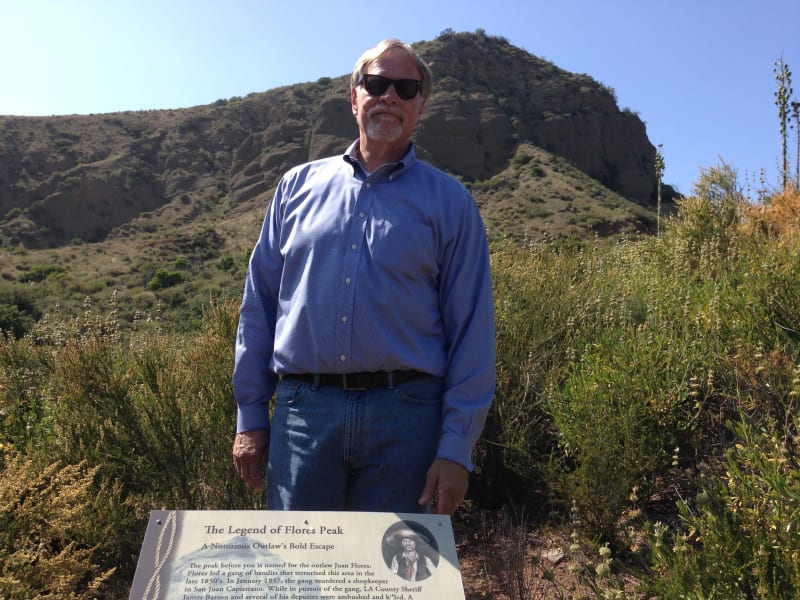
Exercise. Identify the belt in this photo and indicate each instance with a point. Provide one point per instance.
(358, 381)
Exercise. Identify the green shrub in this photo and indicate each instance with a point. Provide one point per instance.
(622, 409)
(157, 414)
(14, 321)
(227, 263)
(181, 263)
(24, 369)
(709, 220)
(127, 424)
(164, 279)
(529, 340)
(40, 272)
(740, 538)
(18, 312)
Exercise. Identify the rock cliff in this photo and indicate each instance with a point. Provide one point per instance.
(83, 178)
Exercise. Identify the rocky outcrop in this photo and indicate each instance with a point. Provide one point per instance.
(492, 96)
(81, 177)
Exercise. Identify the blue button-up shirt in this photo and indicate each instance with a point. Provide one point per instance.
(358, 272)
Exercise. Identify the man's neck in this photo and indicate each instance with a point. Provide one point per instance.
(374, 155)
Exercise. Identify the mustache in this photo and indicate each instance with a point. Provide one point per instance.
(383, 108)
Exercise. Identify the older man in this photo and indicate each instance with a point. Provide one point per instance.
(368, 305)
(410, 564)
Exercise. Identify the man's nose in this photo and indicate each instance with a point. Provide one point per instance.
(390, 94)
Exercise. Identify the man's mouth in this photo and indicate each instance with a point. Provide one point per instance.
(383, 114)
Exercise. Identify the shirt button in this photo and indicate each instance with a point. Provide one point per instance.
(344, 319)
(354, 247)
(342, 358)
(347, 280)
(369, 185)
(362, 215)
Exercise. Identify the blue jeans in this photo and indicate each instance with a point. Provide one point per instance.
(366, 450)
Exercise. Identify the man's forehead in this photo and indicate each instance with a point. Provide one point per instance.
(394, 57)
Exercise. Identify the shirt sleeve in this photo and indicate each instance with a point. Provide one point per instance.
(254, 382)
(467, 308)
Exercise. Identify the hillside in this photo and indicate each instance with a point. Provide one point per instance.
(106, 200)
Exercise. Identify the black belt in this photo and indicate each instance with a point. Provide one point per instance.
(359, 381)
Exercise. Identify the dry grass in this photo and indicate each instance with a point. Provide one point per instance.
(778, 219)
(51, 545)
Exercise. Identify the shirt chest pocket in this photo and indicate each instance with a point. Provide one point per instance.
(404, 248)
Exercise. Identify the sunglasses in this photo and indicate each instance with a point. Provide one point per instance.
(376, 85)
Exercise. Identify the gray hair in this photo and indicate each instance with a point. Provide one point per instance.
(371, 55)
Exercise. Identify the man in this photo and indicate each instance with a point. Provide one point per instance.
(410, 564)
(368, 304)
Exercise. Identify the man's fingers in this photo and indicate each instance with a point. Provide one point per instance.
(250, 455)
(251, 471)
(429, 490)
(448, 503)
(445, 485)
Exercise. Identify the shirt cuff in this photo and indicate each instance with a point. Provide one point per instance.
(457, 449)
(251, 417)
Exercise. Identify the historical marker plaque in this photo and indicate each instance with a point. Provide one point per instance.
(275, 555)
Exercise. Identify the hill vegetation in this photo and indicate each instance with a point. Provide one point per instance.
(84, 178)
(646, 402)
(161, 208)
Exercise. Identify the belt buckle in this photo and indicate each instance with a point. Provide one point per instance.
(348, 388)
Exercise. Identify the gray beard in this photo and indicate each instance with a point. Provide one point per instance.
(383, 132)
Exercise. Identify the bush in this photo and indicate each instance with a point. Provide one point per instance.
(18, 312)
(529, 344)
(740, 539)
(618, 413)
(141, 423)
(710, 219)
(40, 272)
(14, 321)
(54, 538)
(25, 367)
(625, 396)
(158, 415)
(164, 279)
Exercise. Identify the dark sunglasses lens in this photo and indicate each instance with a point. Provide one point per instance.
(406, 88)
(376, 85)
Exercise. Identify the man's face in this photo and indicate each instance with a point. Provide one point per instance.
(388, 118)
(408, 544)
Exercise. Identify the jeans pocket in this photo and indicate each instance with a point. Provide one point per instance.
(428, 390)
(290, 393)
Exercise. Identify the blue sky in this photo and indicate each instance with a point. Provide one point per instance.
(698, 72)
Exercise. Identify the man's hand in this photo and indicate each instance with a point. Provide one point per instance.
(250, 452)
(447, 483)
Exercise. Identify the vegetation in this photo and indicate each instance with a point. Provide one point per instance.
(783, 93)
(629, 370)
(164, 279)
(105, 179)
(99, 428)
(660, 166)
(18, 311)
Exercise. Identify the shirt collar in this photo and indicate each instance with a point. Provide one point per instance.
(351, 156)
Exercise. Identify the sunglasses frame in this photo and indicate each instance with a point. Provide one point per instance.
(402, 92)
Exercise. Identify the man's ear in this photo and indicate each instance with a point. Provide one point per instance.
(353, 101)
